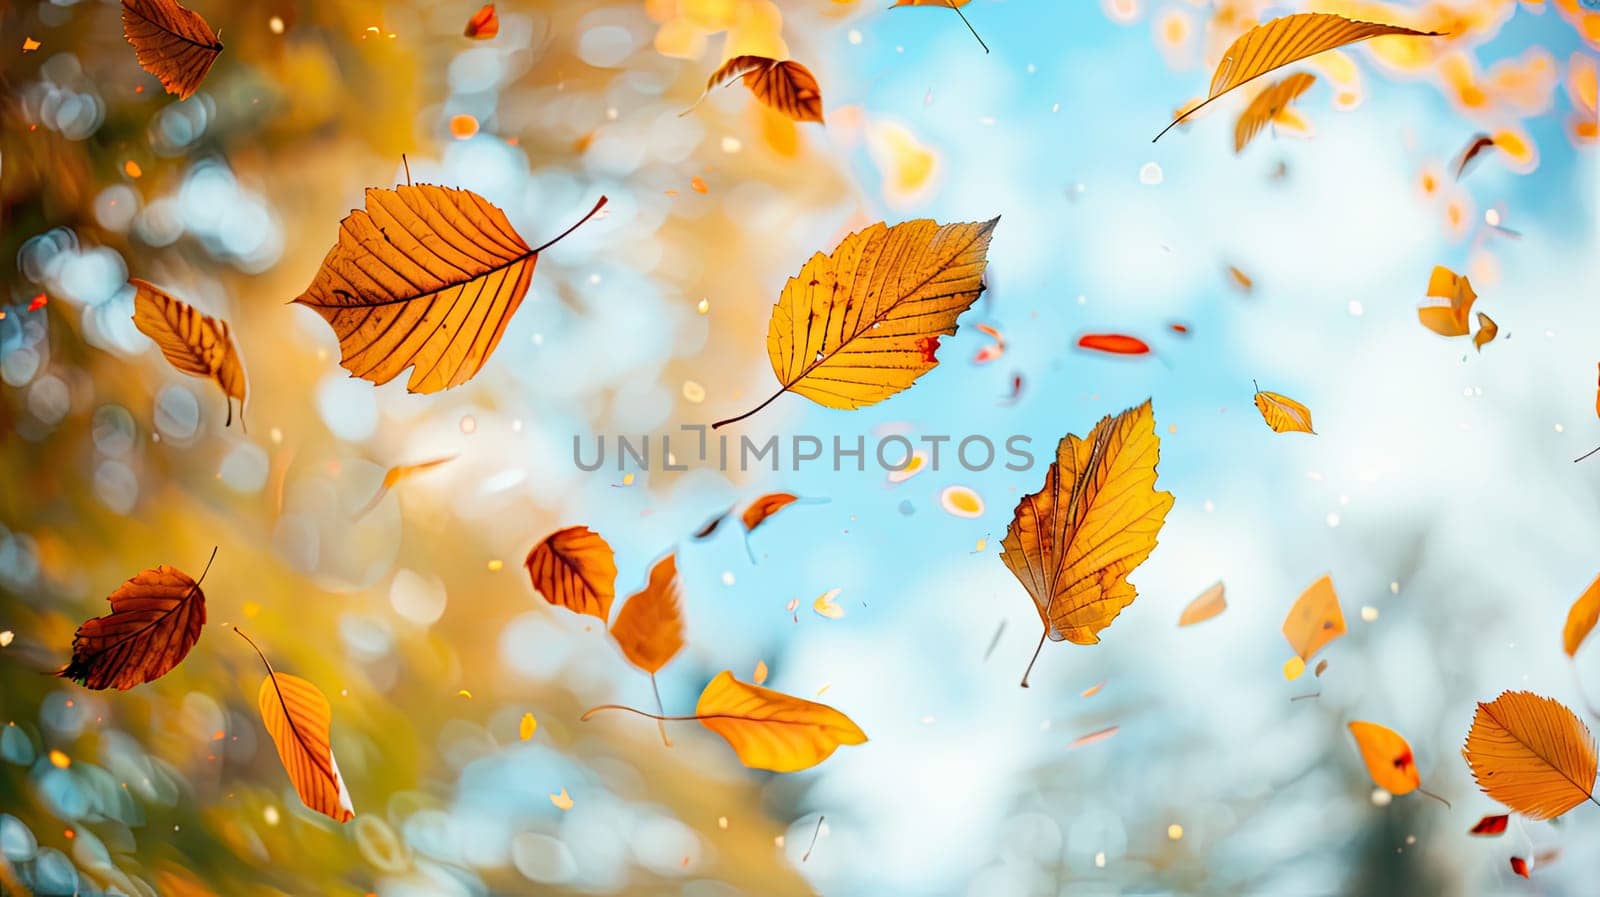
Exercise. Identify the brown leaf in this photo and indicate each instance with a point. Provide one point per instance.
(576, 569)
(427, 278)
(649, 628)
(173, 43)
(299, 719)
(1531, 754)
(1267, 106)
(1581, 618)
(1480, 142)
(194, 343)
(155, 619)
(784, 85)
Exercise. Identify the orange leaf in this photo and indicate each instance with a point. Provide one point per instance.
(1314, 620)
(1581, 618)
(1073, 543)
(173, 43)
(194, 343)
(1487, 331)
(772, 730)
(424, 277)
(1531, 754)
(484, 24)
(1283, 414)
(1520, 866)
(575, 568)
(1388, 758)
(1449, 316)
(1113, 343)
(155, 619)
(1489, 826)
(1206, 605)
(759, 510)
(786, 86)
(649, 628)
(394, 475)
(1284, 40)
(1267, 105)
(299, 719)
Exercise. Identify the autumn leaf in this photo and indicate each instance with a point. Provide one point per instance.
(953, 5)
(649, 628)
(576, 569)
(1073, 543)
(394, 475)
(1479, 143)
(783, 85)
(1267, 106)
(299, 718)
(155, 619)
(173, 43)
(1282, 413)
(484, 24)
(1452, 293)
(1531, 754)
(1581, 618)
(757, 512)
(1487, 331)
(1315, 620)
(1240, 280)
(1387, 756)
(1520, 866)
(1113, 344)
(1490, 826)
(1206, 605)
(194, 343)
(1284, 40)
(850, 329)
(424, 277)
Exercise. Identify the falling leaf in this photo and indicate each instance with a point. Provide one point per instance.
(760, 675)
(527, 727)
(1206, 605)
(561, 801)
(173, 43)
(1387, 756)
(155, 618)
(1293, 668)
(1113, 343)
(710, 526)
(1093, 737)
(649, 628)
(771, 730)
(1531, 754)
(1487, 331)
(59, 760)
(1267, 106)
(846, 330)
(953, 5)
(783, 85)
(299, 719)
(38, 302)
(1519, 866)
(825, 607)
(1489, 826)
(1449, 316)
(698, 185)
(576, 569)
(394, 475)
(424, 277)
(1240, 280)
(1281, 41)
(1073, 543)
(990, 352)
(1322, 667)
(1283, 414)
(484, 24)
(196, 344)
(1314, 620)
(757, 512)
(1480, 142)
(29, 45)
(1092, 690)
(961, 501)
(1581, 618)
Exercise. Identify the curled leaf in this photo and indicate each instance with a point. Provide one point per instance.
(757, 512)
(155, 619)
(1452, 296)
(576, 569)
(649, 628)
(1267, 106)
(1283, 414)
(1387, 756)
(394, 475)
(1487, 331)
(1520, 866)
(1315, 620)
(173, 43)
(1531, 754)
(299, 719)
(772, 730)
(783, 85)
(196, 344)
(1581, 618)
(1479, 143)
(427, 278)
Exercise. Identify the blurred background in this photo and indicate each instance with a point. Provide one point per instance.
(1440, 492)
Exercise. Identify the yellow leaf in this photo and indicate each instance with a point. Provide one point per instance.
(825, 606)
(562, 801)
(1314, 620)
(760, 677)
(1388, 758)
(1206, 605)
(527, 727)
(784, 85)
(1293, 668)
(858, 326)
(1487, 331)
(1581, 618)
(772, 730)
(1283, 414)
(298, 717)
(1073, 543)
(424, 277)
(1531, 754)
(1284, 40)
(574, 568)
(1448, 315)
(1267, 106)
(649, 628)
(173, 43)
(196, 344)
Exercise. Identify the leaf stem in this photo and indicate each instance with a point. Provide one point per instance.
(1436, 797)
(1029, 670)
(733, 420)
(563, 235)
(660, 724)
(968, 24)
(265, 662)
(208, 566)
(814, 834)
(1586, 454)
(655, 716)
